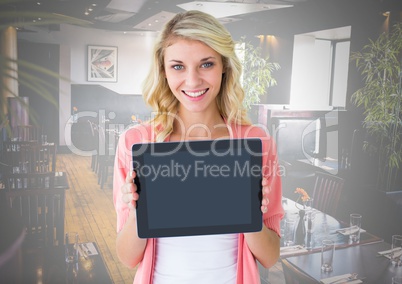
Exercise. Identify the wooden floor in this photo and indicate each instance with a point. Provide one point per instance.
(90, 212)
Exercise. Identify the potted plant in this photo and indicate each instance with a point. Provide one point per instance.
(380, 98)
(257, 73)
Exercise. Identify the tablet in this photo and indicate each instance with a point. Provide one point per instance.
(198, 187)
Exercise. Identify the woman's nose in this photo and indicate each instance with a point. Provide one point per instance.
(193, 78)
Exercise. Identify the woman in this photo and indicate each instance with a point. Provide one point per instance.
(194, 87)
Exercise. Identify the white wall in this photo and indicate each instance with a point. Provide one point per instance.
(134, 51)
(134, 59)
(310, 74)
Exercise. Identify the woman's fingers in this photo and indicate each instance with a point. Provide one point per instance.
(129, 191)
(266, 189)
(264, 205)
(130, 176)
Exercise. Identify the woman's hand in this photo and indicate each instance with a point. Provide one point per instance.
(129, 191)
(264, 245)
(266, 189)
(130, 248)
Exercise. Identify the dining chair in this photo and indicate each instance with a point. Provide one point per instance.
(10, 154)
(295, 276)
(29, 157)
(40, 205)
(27, 132)
(106, 153)
(43, 212)
(94, 143)
(24, 181)
(327, 192)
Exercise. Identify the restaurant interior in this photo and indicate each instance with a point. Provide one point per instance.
(72, 74)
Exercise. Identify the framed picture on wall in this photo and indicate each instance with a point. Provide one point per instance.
(102, 63)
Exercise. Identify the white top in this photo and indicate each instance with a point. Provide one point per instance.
(196, 259)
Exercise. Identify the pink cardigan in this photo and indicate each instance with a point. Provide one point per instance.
(247, 269)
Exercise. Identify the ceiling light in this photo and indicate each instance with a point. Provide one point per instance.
(228, 8)
(86, 13)
(386, 14)
(90, 9)
(157, 21)
(94, 4)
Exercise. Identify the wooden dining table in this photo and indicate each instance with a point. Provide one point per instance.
(47, 265)
(362, 259)
(324, 227)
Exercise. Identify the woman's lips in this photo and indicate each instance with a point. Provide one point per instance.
(195, 94)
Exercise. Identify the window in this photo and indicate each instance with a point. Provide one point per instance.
(320, 69)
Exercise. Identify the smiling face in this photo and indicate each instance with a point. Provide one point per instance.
(194, 74)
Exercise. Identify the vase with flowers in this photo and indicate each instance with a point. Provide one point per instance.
(135, 120)
(306, 205)
(75, 114)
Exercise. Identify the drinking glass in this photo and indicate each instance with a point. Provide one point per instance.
(309, 220)
(290, 225)
(396, 253)
(309, 224)
(327, 255)
(71, 247)
(71, 257)
(355, 226)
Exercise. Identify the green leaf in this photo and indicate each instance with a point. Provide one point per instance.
(381, 98)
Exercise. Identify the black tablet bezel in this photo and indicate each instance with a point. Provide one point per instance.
(251, 147)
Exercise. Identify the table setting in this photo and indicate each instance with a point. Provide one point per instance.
(395, 253)
(87, 249)
(290, 250)
(368, 263)
(350, 278)
(348, 231)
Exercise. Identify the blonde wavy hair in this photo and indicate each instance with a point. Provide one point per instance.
(194, 25)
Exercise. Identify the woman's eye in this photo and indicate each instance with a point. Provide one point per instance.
(177, 67)
(207, 64)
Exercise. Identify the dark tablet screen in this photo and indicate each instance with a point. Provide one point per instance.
(198, 187)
